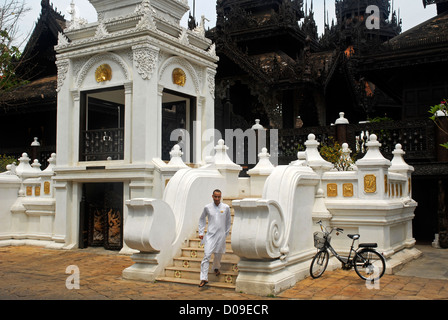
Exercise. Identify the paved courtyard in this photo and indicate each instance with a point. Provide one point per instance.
(31, 273)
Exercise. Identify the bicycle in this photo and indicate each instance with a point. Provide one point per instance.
(368, 263)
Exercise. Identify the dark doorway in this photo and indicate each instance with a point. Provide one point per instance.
(425, 192)
(101, 216)
(178, 112)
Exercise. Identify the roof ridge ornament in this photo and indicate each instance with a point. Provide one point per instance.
(76, 22)
(145, 8)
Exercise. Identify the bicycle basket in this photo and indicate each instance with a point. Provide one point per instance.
(319, 240)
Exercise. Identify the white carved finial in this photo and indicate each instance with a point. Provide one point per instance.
(101, 31)
(313, 157)
(76, 22)
(62, 40)
(24, 168)
(183, 38)
(342, 119)
(398, 162)
(176, 157)
(51, 163)
(222, 158)
(36, 165)
(35, 143)
(10, 169)
(373, 155)
(145, 8)
(200, 29)
(257, 125)
(212, 50)
(264, 165)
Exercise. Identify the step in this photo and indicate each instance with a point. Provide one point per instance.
(193, 252)
(228, 262)
(195, 243)
(195, 282)
(229, 236)
(194, 274)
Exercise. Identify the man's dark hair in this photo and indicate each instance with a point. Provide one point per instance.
(217, 190)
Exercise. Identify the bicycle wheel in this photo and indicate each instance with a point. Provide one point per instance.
(319, 264)
(369, 264)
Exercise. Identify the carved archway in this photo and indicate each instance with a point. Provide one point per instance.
(101, 58)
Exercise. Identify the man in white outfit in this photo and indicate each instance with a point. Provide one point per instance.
(219, 221)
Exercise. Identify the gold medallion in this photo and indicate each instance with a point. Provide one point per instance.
(179, 77)
(103, 73)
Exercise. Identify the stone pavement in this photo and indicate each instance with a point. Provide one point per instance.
(31, 273)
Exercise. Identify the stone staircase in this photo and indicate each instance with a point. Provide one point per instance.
(187, 267)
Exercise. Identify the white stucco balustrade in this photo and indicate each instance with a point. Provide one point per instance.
(273, 235)
(28, 206)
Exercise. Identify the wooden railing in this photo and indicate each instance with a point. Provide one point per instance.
(104, 144)
(417, 137)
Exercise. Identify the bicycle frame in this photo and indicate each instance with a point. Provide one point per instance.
(346, 261)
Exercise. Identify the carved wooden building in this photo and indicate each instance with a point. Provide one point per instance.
(274, 67)
(411, 69)
(29, 110)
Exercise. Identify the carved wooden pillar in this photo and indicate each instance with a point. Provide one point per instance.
(341, 128)
(442, 156)
(442, 214)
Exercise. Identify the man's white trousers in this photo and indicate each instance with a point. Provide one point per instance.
(206, 263)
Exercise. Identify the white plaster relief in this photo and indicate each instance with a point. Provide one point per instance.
(63, 66)
(145, 57)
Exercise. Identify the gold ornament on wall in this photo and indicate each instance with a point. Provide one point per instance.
(332, 190)
(370, 183)
(47, 187)
(179, 77)
(347, 189)
(103, 73)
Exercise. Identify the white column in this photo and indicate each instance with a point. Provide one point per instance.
(64, 114)
(146, 111)
(62, 191)
(75, 128)
(128, 107)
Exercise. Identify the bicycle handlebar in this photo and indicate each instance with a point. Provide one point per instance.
(322, 227)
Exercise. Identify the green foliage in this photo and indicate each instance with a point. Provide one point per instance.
(332, 152)
(4, 161)
(379, 119)
(439, 108)
(442, 107)
(8, 56)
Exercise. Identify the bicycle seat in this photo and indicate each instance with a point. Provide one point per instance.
(368, 245)
(353, 236)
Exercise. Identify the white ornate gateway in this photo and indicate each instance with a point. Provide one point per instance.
(125, 83)
(122, 82)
